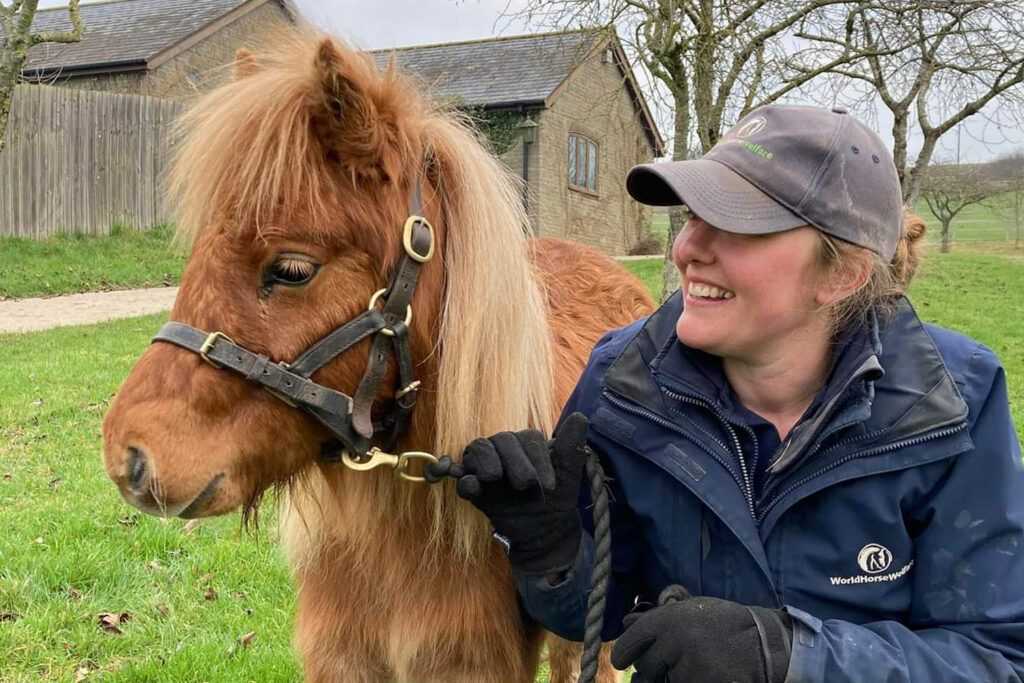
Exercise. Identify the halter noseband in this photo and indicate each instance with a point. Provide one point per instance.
(347, 417)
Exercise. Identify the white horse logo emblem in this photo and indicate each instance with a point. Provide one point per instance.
(751, 127)
(874, 558)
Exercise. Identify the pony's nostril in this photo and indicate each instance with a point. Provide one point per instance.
(136, 467)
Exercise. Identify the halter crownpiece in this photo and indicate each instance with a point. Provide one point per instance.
(348, 418)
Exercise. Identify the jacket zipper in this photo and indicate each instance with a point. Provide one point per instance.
(748, 486)
(862, 454)
(635, 410)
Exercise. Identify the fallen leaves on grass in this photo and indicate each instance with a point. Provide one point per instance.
(210, 594)
(162, 609)
(110, 622)
(74, 594)
(243, 641)
(8, 616)
(191, 526)
(83, 670)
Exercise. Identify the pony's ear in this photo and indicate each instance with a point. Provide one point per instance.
(245, 64)
(348, 122)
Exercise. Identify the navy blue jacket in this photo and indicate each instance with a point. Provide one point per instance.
(890, 525)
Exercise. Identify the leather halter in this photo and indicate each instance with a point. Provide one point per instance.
(347, 417)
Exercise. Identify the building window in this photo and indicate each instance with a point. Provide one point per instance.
(582, 163)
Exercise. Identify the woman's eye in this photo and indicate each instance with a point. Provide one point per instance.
(290, 270)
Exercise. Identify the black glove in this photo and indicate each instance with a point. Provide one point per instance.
(705, 640)
(529, 488)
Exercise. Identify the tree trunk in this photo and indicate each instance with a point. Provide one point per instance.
(11, 61)
(899, 151)
(944, 248)
(915, 175)
(680, 151)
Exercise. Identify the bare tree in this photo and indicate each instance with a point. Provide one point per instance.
(950, 188)
(18, 38)
(933, 64)
(1008, 169)
(717, 59)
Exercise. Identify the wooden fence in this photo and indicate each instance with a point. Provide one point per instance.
(80, 161)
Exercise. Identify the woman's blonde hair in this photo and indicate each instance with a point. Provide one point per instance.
(886, 281)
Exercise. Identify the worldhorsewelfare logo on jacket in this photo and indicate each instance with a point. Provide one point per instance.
(873, 559)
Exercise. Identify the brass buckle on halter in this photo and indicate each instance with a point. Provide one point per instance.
(407, 238)
(386, 331)
(377, 458)
(211, 339)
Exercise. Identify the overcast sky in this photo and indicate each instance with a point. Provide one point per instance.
(396, 23)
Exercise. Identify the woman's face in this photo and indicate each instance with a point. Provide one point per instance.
(748, 296)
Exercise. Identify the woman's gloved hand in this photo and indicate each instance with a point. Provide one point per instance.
(529, 488)
(705, 640)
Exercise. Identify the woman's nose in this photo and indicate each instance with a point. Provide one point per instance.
(693, 243)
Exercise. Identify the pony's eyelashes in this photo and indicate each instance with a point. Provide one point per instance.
(290, 269)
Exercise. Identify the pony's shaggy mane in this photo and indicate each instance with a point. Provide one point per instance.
(255, 148)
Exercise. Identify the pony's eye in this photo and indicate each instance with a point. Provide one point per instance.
(291, 270)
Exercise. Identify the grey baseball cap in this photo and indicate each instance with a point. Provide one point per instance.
(782, 167)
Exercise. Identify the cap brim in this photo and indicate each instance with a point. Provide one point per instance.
(712, 191)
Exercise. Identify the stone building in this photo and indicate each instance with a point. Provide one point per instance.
(591, 124)
(162, 48)
(572, 94)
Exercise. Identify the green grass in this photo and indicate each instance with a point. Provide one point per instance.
(70, 549)
(70, 263)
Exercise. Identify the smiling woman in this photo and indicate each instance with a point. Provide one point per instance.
(809, 483)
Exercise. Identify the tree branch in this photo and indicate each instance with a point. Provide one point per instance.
(72, 36)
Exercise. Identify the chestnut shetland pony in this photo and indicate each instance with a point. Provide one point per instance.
(293, 182)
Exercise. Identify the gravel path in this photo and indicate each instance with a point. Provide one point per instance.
(27, 315)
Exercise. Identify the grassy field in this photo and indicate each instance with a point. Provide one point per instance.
(71, 550)
(85, 263)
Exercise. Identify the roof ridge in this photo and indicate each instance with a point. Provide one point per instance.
(491, 39)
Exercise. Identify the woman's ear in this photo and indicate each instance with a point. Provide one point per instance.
(843, 281)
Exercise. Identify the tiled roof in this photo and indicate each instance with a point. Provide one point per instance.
(497, 71)
(122, 32)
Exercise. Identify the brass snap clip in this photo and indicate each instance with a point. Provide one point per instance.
(378, 458)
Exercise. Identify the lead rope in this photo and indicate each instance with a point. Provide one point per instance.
(602, 569)
(602, 551)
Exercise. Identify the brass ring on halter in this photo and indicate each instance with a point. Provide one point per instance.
(388, 331)
(407, 238)
(211, 339)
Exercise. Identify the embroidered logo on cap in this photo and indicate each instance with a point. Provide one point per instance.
(751, 127)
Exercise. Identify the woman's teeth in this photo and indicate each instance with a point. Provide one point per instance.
(706, 292)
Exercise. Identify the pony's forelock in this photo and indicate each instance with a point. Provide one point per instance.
(250, 151)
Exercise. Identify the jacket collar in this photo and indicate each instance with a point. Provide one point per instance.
(891, 379)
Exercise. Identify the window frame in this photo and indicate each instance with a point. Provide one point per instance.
(591, 160)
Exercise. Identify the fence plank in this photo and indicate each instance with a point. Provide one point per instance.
(79, 160)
